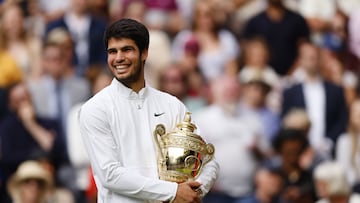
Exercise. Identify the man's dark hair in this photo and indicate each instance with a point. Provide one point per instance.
(289, 134)
(128, 28)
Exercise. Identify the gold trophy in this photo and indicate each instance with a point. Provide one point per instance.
(181, 153)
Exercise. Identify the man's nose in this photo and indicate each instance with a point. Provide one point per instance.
(120, 56)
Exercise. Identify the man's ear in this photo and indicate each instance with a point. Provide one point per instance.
(144, 55)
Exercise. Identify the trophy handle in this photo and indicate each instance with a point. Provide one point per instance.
(210, 150)
(159, 131)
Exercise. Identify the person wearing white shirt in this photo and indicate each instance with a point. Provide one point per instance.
(323, 101)
(238, 138)
(118, 122)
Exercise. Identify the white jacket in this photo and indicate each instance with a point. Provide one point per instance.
(117, 127)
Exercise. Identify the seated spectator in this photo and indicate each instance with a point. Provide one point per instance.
(256, 59)
(22, 132)
(22, 46)
(283, 30)
(347, 148)
(268, 185)
(31, 183)
(335, 71)
(256, 88)
(331, 184)
(298, 119)
(238, 138)
(219, 49)
(323, 101)
(86, 31)
(298, 183)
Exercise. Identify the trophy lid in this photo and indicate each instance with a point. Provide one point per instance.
(187, 126)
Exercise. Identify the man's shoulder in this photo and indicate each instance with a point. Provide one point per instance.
(162, 96)
(100, 99)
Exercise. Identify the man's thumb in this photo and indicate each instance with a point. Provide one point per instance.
(194, 184)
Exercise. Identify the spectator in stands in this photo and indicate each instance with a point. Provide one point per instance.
(219, 49)
(298, 184)
(58, 89)
(334, 70)
(323, 101)
(347, 148)
(331, 184)
(257, 85)
(87, 33)
(283, 30)
(26, 49)
(268, 184)
(30, 184)
(22, 132)
(298, 119)
(238, 139)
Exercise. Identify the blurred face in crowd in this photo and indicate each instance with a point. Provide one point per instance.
(12, 21)
(18, 95)
(125, 61)
(172, 80)
(256, 54)
(54, 63)
(256, 93)
(68, 49)
(226, 93)
(268, 183)
(309, 59)
(204, 16)
(31, 190)
(80, 6)
(290, 152)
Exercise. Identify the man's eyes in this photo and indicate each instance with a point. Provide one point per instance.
(112, 51)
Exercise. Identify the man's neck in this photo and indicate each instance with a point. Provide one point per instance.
(262, 197)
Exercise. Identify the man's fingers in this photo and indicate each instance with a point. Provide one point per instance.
(194, 184)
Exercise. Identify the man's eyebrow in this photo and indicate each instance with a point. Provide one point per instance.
(121, 48)
(111, 49)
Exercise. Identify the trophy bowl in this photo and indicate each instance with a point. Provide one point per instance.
(181, 153)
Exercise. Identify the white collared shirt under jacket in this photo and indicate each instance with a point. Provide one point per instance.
(117, 127)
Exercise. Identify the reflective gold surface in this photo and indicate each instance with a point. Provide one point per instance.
(181, 153)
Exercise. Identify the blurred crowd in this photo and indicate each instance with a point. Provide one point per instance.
(273, 84)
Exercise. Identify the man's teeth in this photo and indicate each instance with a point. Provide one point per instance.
(120, 67)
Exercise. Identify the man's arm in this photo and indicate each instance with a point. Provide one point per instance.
(208, 176)
(102, 151)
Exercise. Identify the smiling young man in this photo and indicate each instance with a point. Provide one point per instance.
(117, 125)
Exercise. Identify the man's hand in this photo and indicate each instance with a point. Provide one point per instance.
(186, 193)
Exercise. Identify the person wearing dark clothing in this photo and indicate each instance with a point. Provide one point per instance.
(22, 133)
(283, 30)
(323, 101)
(87, 33)
(298, 186)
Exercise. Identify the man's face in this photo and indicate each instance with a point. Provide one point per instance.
(275, 2)
(309, 59)
(125, 60)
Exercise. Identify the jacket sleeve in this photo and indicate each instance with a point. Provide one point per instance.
(108, 169)
(208, 175)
